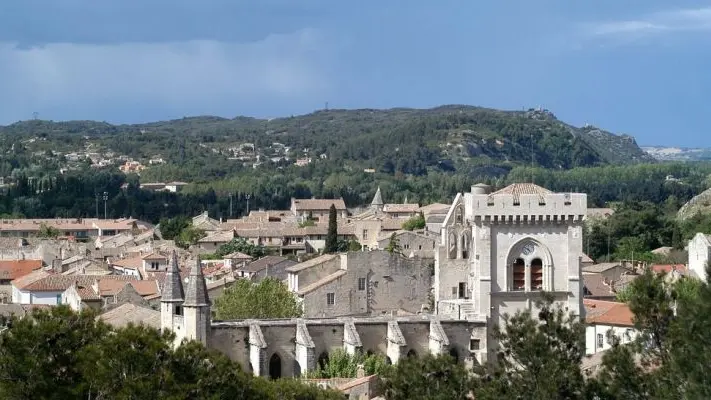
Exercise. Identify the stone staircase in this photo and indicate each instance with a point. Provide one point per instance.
(467, 311)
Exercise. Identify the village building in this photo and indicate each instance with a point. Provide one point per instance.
(318, 209)
(361, 283)
(412, 244)
(80, 229)
(607, 321)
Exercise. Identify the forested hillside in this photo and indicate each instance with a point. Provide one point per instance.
(462, 139)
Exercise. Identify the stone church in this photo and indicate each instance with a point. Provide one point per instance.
(498, 252)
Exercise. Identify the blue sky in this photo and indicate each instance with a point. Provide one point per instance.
(639, 67)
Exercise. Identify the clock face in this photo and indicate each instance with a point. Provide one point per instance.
(527, 249)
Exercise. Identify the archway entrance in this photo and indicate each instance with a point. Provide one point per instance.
(411, 353)
(322, 361)
(454, 354)
(275, 366)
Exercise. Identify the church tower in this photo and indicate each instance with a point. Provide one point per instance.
(196, 306)
(377, 203)
(171, 302)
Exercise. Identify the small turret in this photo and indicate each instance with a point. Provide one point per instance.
(377, 203)
(197, 306)
(172, 297)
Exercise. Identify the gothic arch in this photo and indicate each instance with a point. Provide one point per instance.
(411, 353)
(297, 369)
(538, 263)
(452, 245)
(466, 243)
(459, 214)
(322, 359)
(454, 354)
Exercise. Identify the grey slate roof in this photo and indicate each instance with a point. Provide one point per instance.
(196, 290)
(377, 199)
(172, 286)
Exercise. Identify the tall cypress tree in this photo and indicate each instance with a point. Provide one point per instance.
(332, 235)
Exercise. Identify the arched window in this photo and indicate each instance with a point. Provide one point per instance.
(411, 353)
(297, 369)
(465, 245)
(536, 274)
(518, 275)
(275, 366)
(452, 245)
(458, 215)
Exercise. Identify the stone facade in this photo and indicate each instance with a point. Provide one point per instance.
(412, 243)
(499, 251)
(361, 283)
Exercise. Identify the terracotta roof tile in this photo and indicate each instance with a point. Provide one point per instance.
(13, 269)
(608, 313)
(517, 189)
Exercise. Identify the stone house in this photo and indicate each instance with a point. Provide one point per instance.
(212, 242)
(41, 287)
(269, 266)
(361, 283)
(611, 272)
(317, 209)
(416, 244)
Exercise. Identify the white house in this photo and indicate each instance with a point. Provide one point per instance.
(699, 251)
(604, 319)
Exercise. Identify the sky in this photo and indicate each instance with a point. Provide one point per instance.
(638, 67)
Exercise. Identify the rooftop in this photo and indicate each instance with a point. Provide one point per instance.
(129, 313)
(517, 189)
(318, 204)
(13, 269)
(608, 313)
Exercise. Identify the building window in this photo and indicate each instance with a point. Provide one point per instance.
(365, 234)
(406, 246)
(361, 283)
(518, 279)
(330, 299)
(178, 310)
(155, 264)
(537, 274)
(600, 340)
(628, 335)
(59, 299)
(474, 344)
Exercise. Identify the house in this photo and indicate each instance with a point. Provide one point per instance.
(269, 266)
(699, 254)
(416, 244)
(154, 261)
(611, 271)
(586, 261)
(318, 208)
(212, 242)
(205, 223)
(41, 287)
(361, 283)
(596, 286)
(11, 270)
(80, 229)
(605, 319)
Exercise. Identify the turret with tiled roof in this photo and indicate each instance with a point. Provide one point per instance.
(172, 285)
(377, 203)
(196, 290)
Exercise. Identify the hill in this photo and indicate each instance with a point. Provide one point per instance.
(663, 153)
(458, 138)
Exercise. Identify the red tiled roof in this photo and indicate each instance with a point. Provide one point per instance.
(667, 268)
(59, 283)
(13, 269)
(607, 313)
(517, 189)
(145, 288)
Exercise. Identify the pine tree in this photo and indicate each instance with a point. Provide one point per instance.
(332, 235)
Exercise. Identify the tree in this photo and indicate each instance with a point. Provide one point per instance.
(428, 377)
(170, 228)
(539, 358)
(241, 245)
(415, 223)
(189, 236)
(48, 232)
(332, 234)
(269, 298)
(59, 354)
(393, 246)
(340, 364)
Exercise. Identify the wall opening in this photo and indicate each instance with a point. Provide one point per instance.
(323, 360)
(297, 369)
(518, 281)
(275, 366)
(537, 274)
(411, 353)
(454, 354)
